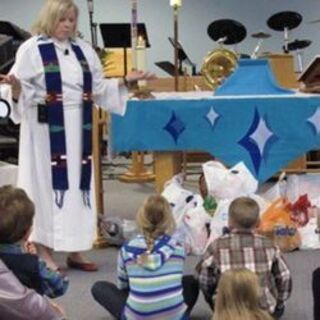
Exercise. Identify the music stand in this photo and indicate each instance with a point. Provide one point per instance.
(182, 56)
(118, 35)
(168, 67)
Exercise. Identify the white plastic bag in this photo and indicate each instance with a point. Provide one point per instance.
(112, 230)
(224, 183)
(193, 230)
(278, 190)
(298, 185)
(180, 199)
(309, 238)
(130, 229)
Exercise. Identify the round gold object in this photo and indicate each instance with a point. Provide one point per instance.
(218, 65)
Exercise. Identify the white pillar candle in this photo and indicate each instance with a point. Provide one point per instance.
(141, 61)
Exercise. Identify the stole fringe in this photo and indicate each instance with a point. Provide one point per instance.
(86, 198)
(59, 197)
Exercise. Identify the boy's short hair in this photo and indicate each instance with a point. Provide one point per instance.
(244, 212)
(16, 214)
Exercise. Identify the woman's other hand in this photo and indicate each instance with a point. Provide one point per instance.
(14, 82)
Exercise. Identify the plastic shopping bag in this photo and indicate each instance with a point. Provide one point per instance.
(276, 223)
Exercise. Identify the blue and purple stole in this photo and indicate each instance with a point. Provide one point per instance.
(54, 104)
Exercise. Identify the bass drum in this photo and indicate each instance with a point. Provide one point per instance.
(218, 65)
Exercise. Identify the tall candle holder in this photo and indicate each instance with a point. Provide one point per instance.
(137, 171)
(176, 4)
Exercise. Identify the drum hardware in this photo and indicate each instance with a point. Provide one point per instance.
(284, 21)
(4, 108)
(298, 46)
(221, 62)
(261, 36)
(314, 21)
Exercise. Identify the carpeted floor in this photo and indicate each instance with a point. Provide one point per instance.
(123, 200)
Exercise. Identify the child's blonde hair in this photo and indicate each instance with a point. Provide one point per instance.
(50, 15)
(244, 212)
(238, 296)
(154, 219)
(16, 214)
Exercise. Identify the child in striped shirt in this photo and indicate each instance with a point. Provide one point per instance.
(151, 284)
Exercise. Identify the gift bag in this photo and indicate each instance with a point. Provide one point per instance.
(276, 223)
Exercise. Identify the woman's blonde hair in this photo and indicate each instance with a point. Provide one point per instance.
(154, 219)
(50, 15)
(238, 297)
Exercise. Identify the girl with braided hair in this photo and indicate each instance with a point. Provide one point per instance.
(151, 284)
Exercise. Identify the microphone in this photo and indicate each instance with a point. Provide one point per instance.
(90, 6)
(66, 52)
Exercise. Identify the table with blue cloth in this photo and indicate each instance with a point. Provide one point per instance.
(261, 124)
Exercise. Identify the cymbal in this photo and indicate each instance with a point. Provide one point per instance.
(298, 44)
(260, 35)
(233, 30)
(284, 19)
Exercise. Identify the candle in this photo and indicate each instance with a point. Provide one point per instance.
(141, 61)
(134, 31)
(175, 3)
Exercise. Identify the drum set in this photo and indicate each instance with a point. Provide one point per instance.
(219, 63)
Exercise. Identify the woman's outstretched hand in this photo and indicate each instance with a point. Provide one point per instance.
(136, 75)
(14, 82)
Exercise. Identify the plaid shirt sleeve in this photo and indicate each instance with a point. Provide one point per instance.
(123, 281)
(282, 277)
(208, 274)
(53, 283)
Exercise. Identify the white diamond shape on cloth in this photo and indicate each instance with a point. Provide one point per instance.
(315, 120)
(212, 116)
(261, 135)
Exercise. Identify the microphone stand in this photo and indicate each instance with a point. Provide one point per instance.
(93, 26)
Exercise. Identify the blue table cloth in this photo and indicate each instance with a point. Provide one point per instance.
(266, 131)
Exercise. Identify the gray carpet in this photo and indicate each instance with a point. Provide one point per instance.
(123, 200)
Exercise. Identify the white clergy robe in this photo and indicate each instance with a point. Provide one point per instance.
(72, 227)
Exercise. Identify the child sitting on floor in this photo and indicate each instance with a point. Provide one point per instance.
(238, 297)
(244, 248)
(16, 217)
(151, 284)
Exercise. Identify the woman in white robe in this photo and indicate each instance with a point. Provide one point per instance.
(71, 228)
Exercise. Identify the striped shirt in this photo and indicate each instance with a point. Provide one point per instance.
(155, 285)
(245, 249)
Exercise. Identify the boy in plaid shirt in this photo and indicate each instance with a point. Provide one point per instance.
(243, 248)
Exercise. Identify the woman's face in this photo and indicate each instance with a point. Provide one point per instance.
(66, 26)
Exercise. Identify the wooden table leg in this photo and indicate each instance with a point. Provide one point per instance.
(166, 165)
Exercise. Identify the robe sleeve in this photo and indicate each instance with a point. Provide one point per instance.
(25, 69)
(107, 92)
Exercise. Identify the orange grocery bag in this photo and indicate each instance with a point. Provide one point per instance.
(276, 223)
